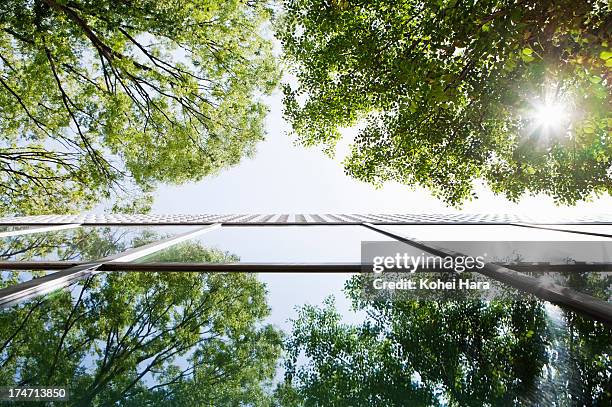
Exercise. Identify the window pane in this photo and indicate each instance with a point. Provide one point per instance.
(201, 320)
(84, 243)
(566, 354)
(552, 252)
(512, 244)
(602, 229)
(11, 228)
(273, 244)
(485, 232)
(596, 284)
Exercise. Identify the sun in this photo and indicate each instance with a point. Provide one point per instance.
(550, 115)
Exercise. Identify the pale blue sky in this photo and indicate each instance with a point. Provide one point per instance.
(287, 178)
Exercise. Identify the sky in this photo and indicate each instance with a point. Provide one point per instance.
(286, 178)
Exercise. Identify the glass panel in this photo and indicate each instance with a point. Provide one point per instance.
(550, 252)
(84, 243)
(511, 351)
(485, 232)
(188, 338)
(596, 284)
(512, 244)
(273, 244)
(515, 350)
(603, 229)
(11, 228)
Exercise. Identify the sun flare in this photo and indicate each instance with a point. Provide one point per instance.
(550, 115)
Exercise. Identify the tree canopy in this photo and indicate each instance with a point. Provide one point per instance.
(134, 339)
(107, 98)
(513, 92)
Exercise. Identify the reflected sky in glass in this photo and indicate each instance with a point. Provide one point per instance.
(487, 232)
(277, 244)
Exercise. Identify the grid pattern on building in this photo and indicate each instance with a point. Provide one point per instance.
(460, 218)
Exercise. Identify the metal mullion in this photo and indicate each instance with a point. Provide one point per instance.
(362, 218)
(265, 218)
(315, 218)
(386, 218)
(359, 218)
(28, 289)
(334, 218)
(233, 218)
(39, 265)
(348, 218)
(96, 220)
(327, 266)
(251, 218)
(583, 303)
(38, 230)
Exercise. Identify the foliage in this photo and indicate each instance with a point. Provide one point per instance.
(105, 98)
(445, 92)
(418, 353)
(183, 339)
(457, 352)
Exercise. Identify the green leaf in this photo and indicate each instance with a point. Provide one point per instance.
(595, 79)
(588, 128)
(605, 55)
(527, 58)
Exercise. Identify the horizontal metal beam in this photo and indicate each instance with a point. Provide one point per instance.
(39, 265)
(236, 267)
(306, 219)
(577, 301)
(289, 267)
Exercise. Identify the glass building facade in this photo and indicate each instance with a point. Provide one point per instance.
(560, 264)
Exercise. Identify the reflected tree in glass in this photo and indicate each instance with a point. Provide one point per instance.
(86, 243)
(459, 352)
(134, 339)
